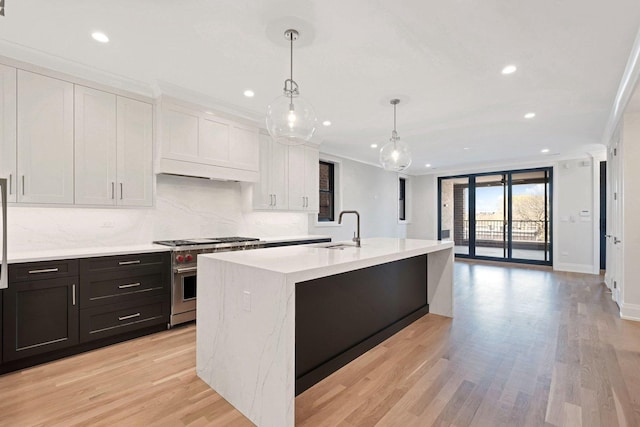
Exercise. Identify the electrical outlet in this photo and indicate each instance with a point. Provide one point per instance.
(246, 301)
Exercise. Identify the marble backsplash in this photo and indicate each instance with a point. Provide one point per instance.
(184, 208)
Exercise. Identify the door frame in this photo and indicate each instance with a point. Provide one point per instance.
(472, 181)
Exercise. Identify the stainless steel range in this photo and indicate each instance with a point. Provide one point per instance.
(185, 266)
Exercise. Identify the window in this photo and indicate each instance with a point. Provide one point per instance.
(327, 192)
(402, 200)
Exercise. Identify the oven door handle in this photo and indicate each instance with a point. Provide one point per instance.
(186, 270)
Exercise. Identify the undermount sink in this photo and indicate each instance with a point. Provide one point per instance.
(340, 246)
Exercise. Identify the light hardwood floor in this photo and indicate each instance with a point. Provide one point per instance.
(527, 347)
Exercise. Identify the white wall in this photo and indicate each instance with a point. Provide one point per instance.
(630, 295)
(370, 190)
(573, 240)
(185, 208)
(424, 224)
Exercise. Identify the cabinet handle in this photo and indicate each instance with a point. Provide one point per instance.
(121, 194)
(130, 285)
(303, 201)
(43, 270)
(129, 262)
(23, 185)
(10, 183)
(131, 316)
(113, 190)
(73, 293)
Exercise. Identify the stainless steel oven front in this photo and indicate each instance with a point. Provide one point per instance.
(183, 294)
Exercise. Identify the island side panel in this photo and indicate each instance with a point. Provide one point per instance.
(247, 356)
(440, 279)
(341, 316)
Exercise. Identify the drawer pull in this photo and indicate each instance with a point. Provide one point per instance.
(129, 262)
(44, 270)
(131, 316)
(130, 285)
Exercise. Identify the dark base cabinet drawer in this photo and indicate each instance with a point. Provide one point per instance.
(120, 262)
(42, 270)
(105, 321)
(104, 290)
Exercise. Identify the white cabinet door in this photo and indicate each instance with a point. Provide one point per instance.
(179, 133)
(312, 178)
(134, 152)
(243, 148)
(297, 190)
(271, 191)
(278, 175)
(303, 178)
(45, 139)
(213, 141)
(262, 196)
(95, 147)
(8, 129)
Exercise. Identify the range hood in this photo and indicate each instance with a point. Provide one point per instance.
(199, 170)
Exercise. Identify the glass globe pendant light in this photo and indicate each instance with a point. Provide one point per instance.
(395, 155)
(291, 120)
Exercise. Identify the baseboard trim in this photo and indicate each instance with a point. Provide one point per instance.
(630, 312)
(574, 268)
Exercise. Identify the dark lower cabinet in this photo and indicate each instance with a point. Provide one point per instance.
(39, 316)
(54, 309)
(100, 322)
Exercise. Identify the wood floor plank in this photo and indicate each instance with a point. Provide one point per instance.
(528, 347)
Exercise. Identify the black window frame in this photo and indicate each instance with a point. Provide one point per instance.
(331, 192)
(402, 199)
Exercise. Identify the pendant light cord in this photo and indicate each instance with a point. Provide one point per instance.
(291, 66)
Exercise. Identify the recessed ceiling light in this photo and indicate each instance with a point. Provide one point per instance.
(374, 145)
(428, 165)
(326, 123)
(544, 150)
(529, 115)
(249, 93)
(467, 148)
(100, 37)
(509, 69)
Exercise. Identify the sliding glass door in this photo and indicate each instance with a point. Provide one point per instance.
(501, 216)
(454, 213)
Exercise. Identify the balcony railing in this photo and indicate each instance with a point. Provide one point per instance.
(522, 230)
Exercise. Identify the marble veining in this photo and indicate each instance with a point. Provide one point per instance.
(184, 208)
(246, 315)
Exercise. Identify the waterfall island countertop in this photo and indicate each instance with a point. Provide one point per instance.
(246, 311)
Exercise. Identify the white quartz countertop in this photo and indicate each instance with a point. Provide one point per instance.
(316, 260)
(86, 252)
(293, 238)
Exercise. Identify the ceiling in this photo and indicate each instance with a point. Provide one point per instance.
(442, 59)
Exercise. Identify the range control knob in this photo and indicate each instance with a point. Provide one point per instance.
(188, 257)
(179, 258)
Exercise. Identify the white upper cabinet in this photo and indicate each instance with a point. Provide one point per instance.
(134, 152)
(113, 149)
(179, 133)
(95, 147)
(312, 178)
(45, 139)
(271, 191)
(8, 129)
(199, 143)
(303, 178)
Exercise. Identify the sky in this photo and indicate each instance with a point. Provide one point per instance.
(489, 199)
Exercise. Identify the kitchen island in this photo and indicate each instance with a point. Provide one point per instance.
(257, 309)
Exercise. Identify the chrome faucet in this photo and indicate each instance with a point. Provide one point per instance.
(356, 236)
